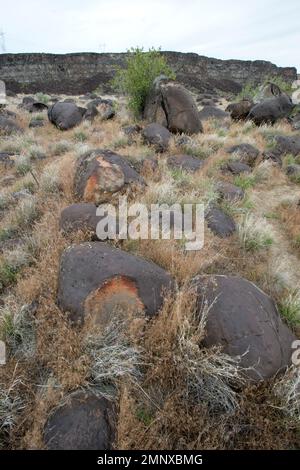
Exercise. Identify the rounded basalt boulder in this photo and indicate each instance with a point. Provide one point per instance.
(212, 112)
(185, 162)
(65, 115)
(240, 110)
(229, 191)
(236, 167)
(220, 223)
(100, 174)
(83, 421)
(83, 216)
(8, 126)
(246, 153)
(96, 280)
(181, 109)
(157, 135)
(245, 322)
(287, 145)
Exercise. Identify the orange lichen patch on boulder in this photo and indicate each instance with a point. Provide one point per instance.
(103, 162)
(118, 294)
(106, 179)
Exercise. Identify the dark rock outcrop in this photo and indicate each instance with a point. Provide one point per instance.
(84, 72)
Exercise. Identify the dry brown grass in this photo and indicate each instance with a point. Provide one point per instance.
(290, 216)
(159, 409)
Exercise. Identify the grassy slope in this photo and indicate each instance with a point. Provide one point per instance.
(158, 409)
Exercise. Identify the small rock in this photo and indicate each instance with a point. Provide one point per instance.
(36, 123)
(236, 168)
(240, 110)
(82, 422)
(293, 171)
(211, 112)
(220, 224)
(185, 162)
(8, 126)
(157, 135)
(229, 191)
(246, 153)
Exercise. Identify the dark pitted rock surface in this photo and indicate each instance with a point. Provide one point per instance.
(220, 223)
(246, 323)
(82, 421)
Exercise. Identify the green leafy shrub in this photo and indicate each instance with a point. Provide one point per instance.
(136, 79)
(250, 90)
(43, 98)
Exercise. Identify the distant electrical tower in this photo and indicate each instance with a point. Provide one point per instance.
(102, 47)
(2, 41)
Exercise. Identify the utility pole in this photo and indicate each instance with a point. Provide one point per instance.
(2, 41)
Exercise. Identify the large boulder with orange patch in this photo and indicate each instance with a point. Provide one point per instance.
(100, 174)
(245, 322)
(83, 421)
(96, 281)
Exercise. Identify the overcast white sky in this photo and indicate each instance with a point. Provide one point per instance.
(226, 29)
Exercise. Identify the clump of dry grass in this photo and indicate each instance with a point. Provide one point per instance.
(254, 233)
(17, 329)
(113, 358)
(289, 214)
(26, 213)
(11, 405)
(173, 392)
(50, 179)
(287, 390)
(210, 374)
